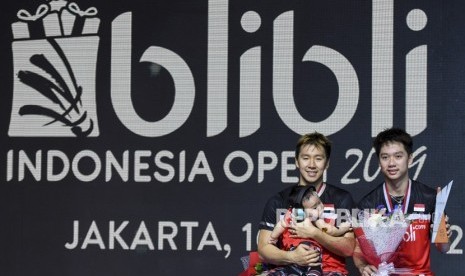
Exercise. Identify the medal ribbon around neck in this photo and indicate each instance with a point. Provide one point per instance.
(405, 201)
(321, 189)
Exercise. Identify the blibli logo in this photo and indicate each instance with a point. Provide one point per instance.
(54, 61)
(411, 233)
(55, 55)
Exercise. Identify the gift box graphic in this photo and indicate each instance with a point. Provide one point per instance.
(54, 62)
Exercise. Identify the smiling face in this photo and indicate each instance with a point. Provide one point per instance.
(311, 162)
(394, 162)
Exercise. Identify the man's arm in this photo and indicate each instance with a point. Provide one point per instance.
(342, 245)
(278, 230)
(364, 268)
(303, 255)
(332, 230)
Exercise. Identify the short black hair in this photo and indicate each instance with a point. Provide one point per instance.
(393, 135)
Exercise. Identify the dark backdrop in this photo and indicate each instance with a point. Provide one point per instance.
(196, 107)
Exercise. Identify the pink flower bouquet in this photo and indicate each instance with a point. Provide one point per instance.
(379, 235)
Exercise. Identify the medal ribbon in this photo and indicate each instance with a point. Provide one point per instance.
(405, 201)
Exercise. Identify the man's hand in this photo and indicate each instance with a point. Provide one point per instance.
(368, 270)
(304, 229)
(305, 255)
(341, 246)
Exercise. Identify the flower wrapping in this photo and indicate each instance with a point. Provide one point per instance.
(379, 235)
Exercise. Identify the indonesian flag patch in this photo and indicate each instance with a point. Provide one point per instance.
(419, 208)
(329, 208)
